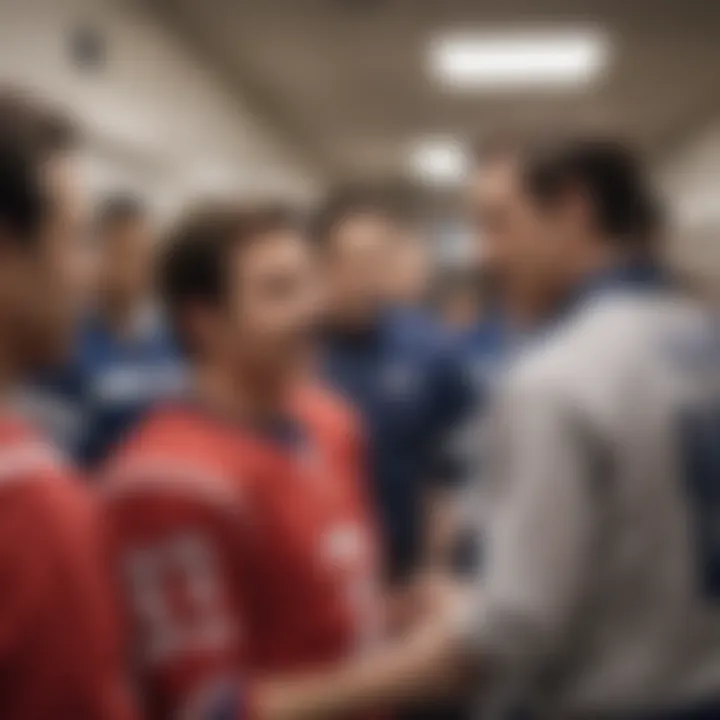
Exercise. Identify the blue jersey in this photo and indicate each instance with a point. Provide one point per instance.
(483, 351)
(406, 382)
(108, 385)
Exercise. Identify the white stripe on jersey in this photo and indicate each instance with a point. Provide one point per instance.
(137, 476)
(20, 461)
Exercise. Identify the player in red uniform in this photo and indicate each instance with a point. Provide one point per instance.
(59, 651)
(242, 532)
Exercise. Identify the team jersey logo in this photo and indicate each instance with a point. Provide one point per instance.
(130, 383)
(347, 551)
(344, 546)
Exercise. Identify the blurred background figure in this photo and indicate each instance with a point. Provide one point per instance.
(128, 359)
(411, 267)
(398, 372)
(126, 248)
(124, 358)
(461, 301)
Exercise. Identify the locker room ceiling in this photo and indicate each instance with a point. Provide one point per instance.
(345, 81)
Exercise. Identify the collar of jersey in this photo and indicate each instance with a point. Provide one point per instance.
(284, 430)
(634, 276)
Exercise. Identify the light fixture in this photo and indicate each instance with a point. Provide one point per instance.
(519, 59)
(439, 161)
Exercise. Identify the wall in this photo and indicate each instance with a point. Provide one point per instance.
(690, 180)
(157, 118)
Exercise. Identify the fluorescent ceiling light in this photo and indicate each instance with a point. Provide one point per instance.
(498, 60)
(439, 161)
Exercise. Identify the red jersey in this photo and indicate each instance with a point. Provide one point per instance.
(245, 554)
(59, 651)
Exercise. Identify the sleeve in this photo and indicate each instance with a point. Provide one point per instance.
(541, 531)
(183, 578)
(58, 614)
(451, 401)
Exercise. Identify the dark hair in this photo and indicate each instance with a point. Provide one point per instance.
(195, 257)
(612, 176)
(117, 210)
(345, 202)
(31, 132)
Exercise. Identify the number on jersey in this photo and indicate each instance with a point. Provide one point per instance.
(177, 598)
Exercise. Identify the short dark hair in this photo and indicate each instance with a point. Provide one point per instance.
(612, 175)
(117, 210)
(31, 132)
(196, 256)
(345, 202)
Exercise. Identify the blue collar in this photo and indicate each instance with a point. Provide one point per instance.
(635, 276)
(146, 322)
(632, 276)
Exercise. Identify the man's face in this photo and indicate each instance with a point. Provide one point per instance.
(275, 301)
(516, 242)
(126, 260)
(43, 288)
(356, 265)
(409, 272)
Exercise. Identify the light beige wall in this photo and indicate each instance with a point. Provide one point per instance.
(157, 117)
(690, 180)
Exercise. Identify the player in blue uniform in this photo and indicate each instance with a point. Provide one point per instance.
(125, 358)
(399, 372)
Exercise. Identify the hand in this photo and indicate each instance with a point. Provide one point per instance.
(435, 594)
(431, 595)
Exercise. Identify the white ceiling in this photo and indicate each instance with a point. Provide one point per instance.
(346, 80)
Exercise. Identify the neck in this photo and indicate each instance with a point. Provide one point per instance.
(240, 393)
(527, 305)
(120, 312)
(13, 371)
(598, 258)
(525, 310)
(354, 321)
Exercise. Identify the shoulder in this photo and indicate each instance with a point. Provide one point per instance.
(591, 360)
(424, 351)
(176, 452)
(26, 454)
(39, 490)
(414, 332)
(328, 411)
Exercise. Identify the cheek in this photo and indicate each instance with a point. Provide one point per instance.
(70, 276)
(249, 323)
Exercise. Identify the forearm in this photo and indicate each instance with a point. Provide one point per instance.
(429, 665)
